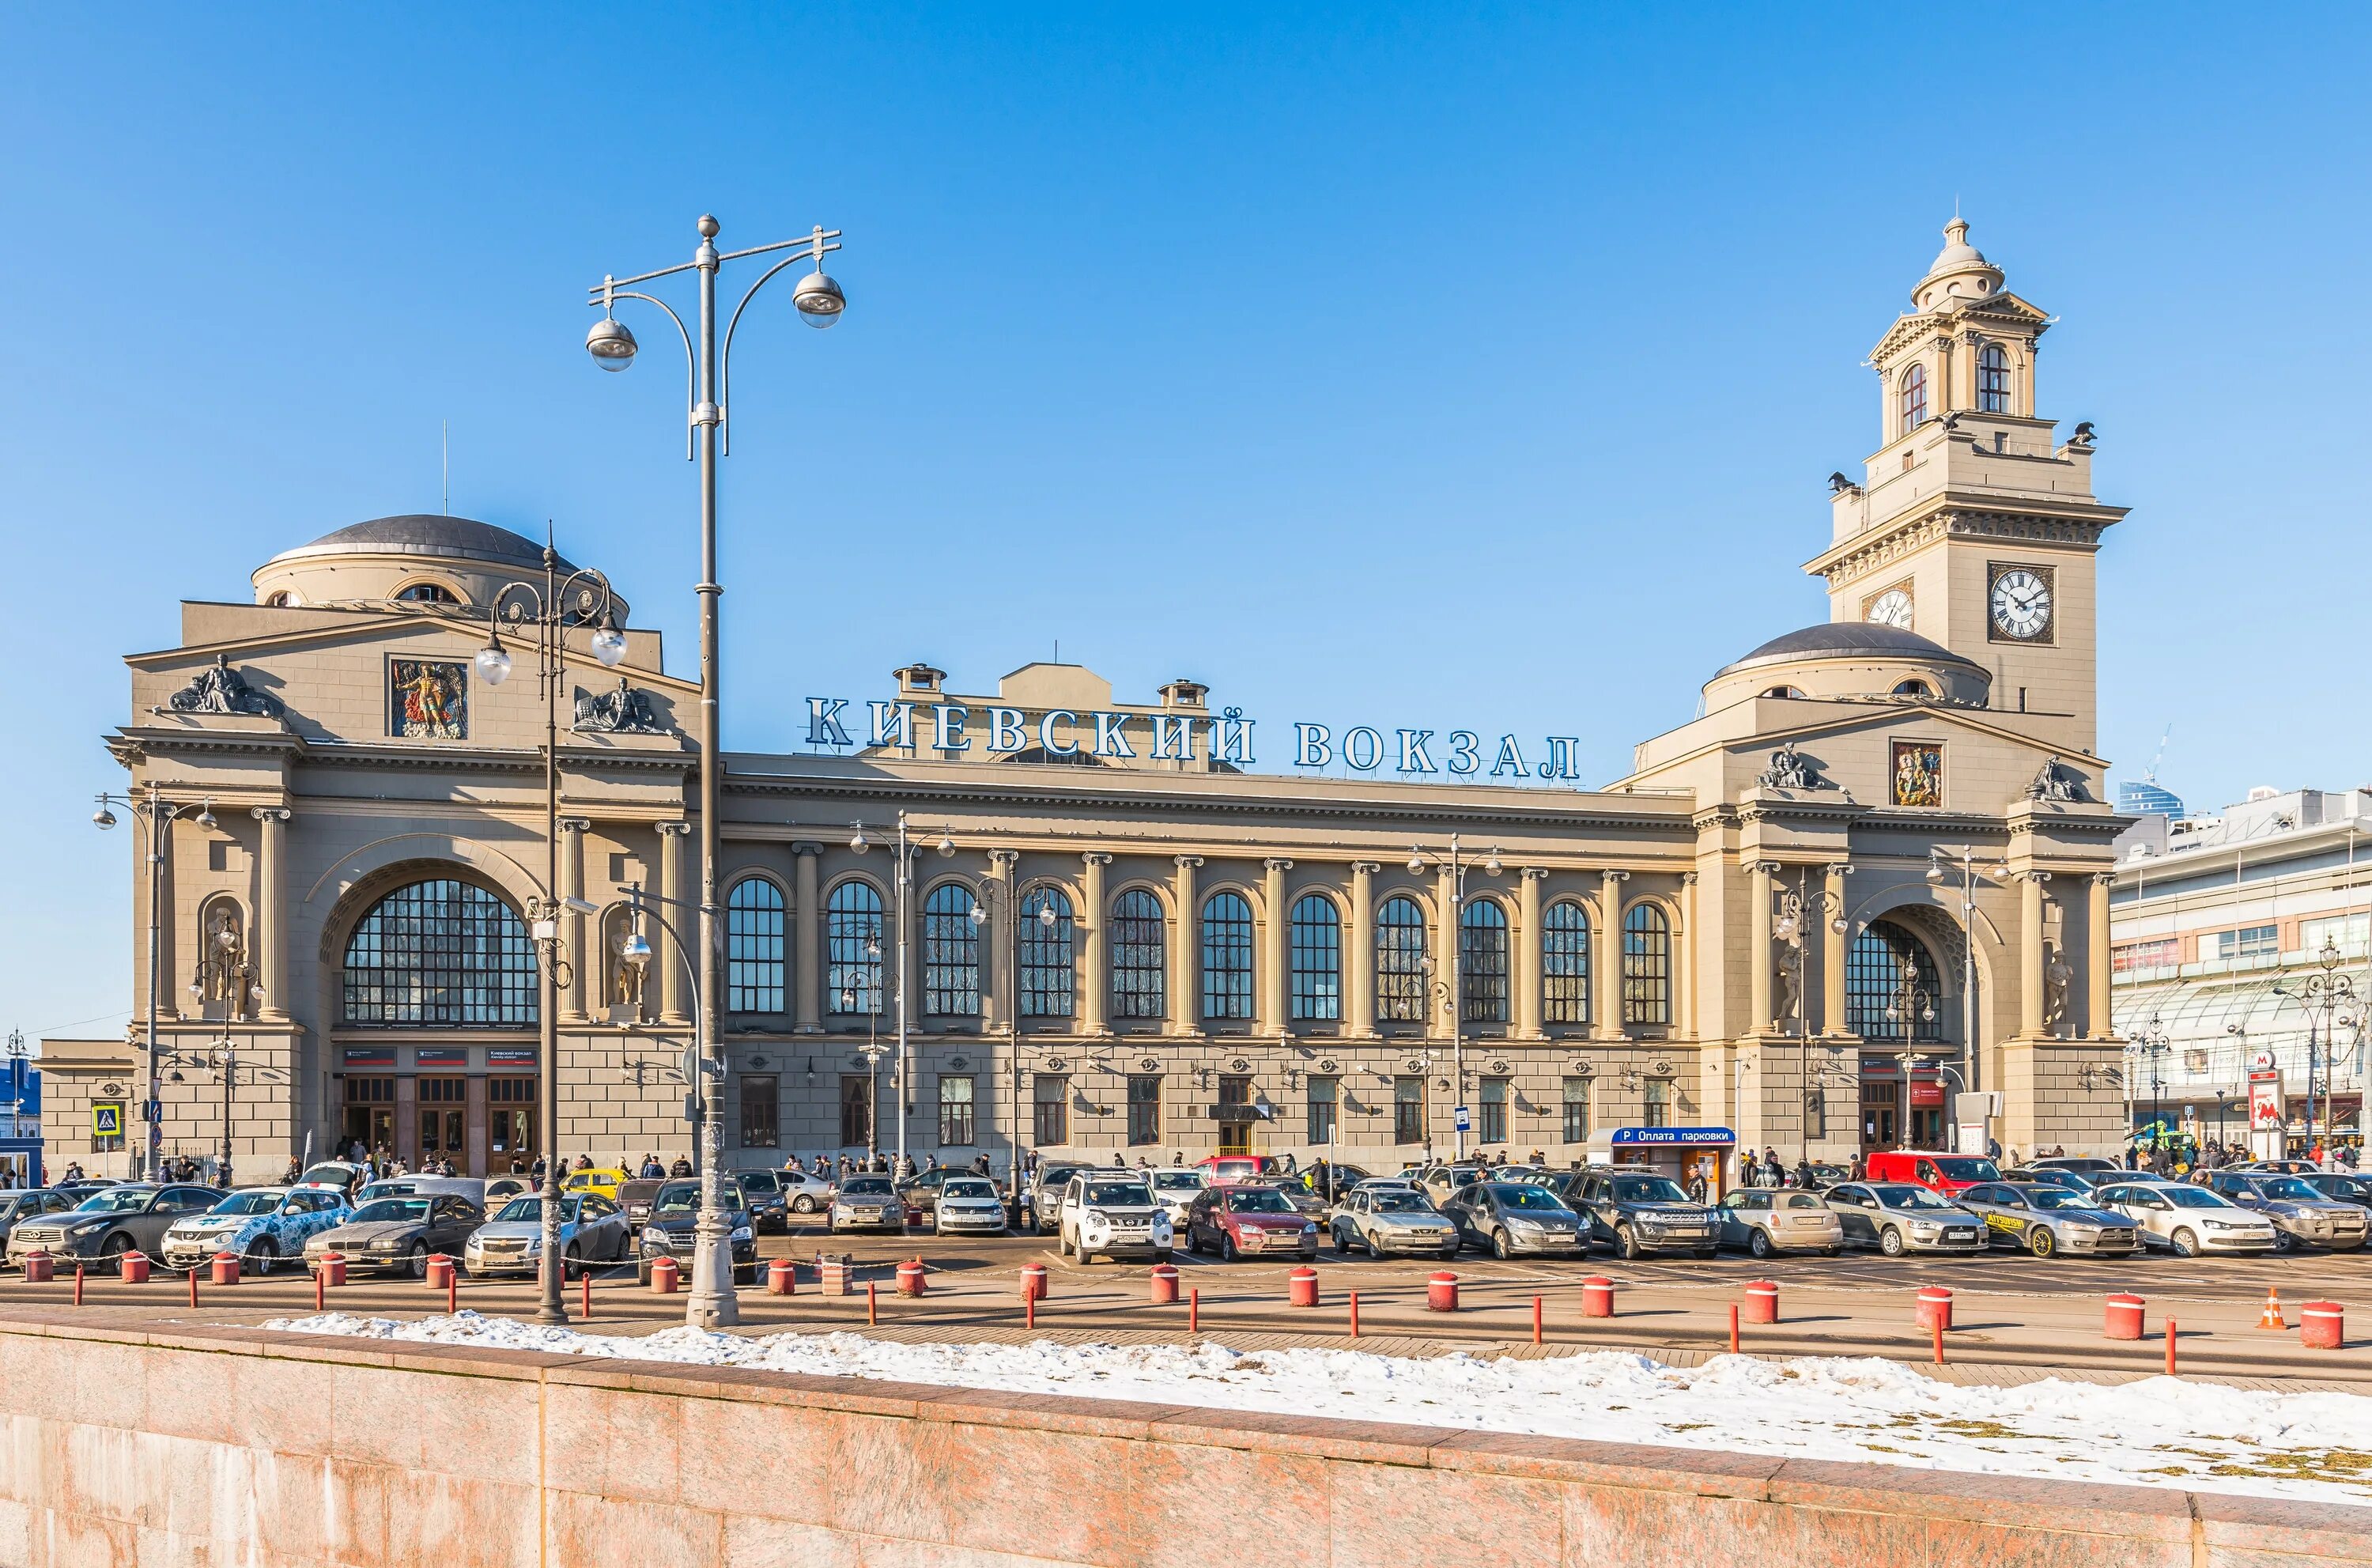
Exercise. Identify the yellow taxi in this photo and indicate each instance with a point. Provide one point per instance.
(604, 1180)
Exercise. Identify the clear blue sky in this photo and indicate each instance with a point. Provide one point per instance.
(1387, 363)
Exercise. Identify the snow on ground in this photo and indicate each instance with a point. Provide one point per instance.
(2159, 1431)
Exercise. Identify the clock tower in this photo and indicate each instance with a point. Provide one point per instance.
(1973, 525)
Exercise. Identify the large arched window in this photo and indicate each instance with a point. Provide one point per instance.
(440, 954)
(1914, 399)
(1140, 980)
(1483, 962)
(1227, 956)
(754, 948)
(1399, 960)
(1892, 991)
(1993, 379)
(1047, 969)
(950, 953)
(1646, 965)
(1564, 963)
(1316, 933)
(851, 942)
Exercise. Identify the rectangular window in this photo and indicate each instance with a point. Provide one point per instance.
(2348, 932)
(1656, 1103)
(1050, 1106)
(855, 1112)
(955, 1109)
(761, 1115)
(2251, 942)
(1322, 1095)
(1145, 1108)
(1577, 1111)
(2165, 953)
(511, 1116)
(1494, 1110)
(1407, 1110)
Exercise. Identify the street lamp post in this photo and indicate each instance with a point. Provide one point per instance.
(155, 817)
(1973, 877)
(2324, 993)
(226, 1060)
(1455, 863)
(711, 1302)
(905, 854)
(1800, 907)
(2154, 1045)
(1005, 895)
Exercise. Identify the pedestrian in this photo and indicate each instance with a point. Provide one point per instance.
(680, 1169)
(1804, 1177)
(1697, 1187)
(1290, 1164)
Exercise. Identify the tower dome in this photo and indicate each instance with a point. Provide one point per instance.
(420, 560)
(1958, 271)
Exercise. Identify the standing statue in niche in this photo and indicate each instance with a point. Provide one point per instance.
(2058, 975)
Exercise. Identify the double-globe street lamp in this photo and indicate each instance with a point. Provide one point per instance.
(711, 1302)
(1973, 875)
(904, 853)
(1454, 860)
(2326, 997)
(156, 816)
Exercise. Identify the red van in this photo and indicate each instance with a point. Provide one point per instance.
(1238, 1167)
(1948, 1174)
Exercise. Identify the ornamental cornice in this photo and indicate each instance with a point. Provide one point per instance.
(1888, 543)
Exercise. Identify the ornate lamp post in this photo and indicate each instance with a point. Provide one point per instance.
(1453, 990)
(2324, 992)
(1973, 877)
(2153, 1045)
(1800, 907)
(905, 854)
(709, 379)
(156, 816)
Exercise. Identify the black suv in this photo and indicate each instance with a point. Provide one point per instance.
(671, 1231)
(1641, 1212)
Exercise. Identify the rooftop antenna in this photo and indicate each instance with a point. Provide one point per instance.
(445, 467)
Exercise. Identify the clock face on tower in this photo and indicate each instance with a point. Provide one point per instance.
(2021, 605)
(1891, 607)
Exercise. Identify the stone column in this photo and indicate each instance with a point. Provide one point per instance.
(1832, 951)
(806, 941)
(1186, 950)
(1445, 951)
(1000, 928)
(2029, 953)
(582, 960)
(1606, 960)
(1684, 951)
(1089, 921)
(1527, 955)
(268, 935)
(1758, 949)
(2100, 1016)
(668, 967)
(1359, 954)
(1274, 958)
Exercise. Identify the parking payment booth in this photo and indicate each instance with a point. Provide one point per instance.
(1677, 1152)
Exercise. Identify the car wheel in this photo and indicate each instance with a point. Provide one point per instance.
(1889, 1241)
(571, 1263)
(2185, 1245)
(415, 1262)
(111, 1256)
(1830, 1251)
(2042, 1244)
(803, 1204)
(1758, 1242)
(1627, 1244)
(1227, 1253)
(1499, 1248)
(260, 1256)
(2283, 1241)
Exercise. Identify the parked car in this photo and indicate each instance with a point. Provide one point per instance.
(805, 1193)
(1232, 1220)
(1640, 1212)
(2187, 1220)
(500, 1190)
(869, 1203)
(1562, 1183)
(1441, 1180)
(2046, 1218)
(635, 1201)
(671, 1231)
(1306, 1202)
(2276, 1168)
(1174, 1189)
(921, 1191)
(32, 1205)
(1381, 1219)
(2056, 1176)
(397, 1235)
(2082, 1164)
(1045, 1194)
(592, 1230)
(603, 1179)
(1764, 1222)
(1903, 1217)
(2303, 1216)
(1512, 1217)
(472, 1188)
(1826, 1175)
(967, 1206)
(261, 1225)
(344, 1175)
(99, 1231)
(1947, 1173)
(761, 1194)
(1111, 1215)
(1237, 1167)
(2340, 1189)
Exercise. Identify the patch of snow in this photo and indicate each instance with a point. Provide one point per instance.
(2158, 1431)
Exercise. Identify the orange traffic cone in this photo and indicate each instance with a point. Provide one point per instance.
(2271, 1318)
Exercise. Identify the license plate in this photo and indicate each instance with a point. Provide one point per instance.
(1959, 1235)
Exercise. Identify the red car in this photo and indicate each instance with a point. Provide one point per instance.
(1237, 1221)
(1238, 1167)
(1950, 1174)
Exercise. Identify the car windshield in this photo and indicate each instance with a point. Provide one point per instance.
(1118, 1194)
(527, 1210)
(682, 1198)
(1402, 1203)
(1968, 1170)
(118, 1201)
(327, 1175)
(969, 1186)
(1803, 1201)
(1647, 1190)
(2183, 1196)
(761, 1181)
(1176, 1181)
(2288, 1188)
(1908, 1197)
(2058, 1199)
(392, 1210)
(2334, 1186)
(1057, 1175)
(1522, 1195)
(865, 1187)
(1258, 1201)
(247, 1203)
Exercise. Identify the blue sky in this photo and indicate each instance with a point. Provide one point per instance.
(1396, 364)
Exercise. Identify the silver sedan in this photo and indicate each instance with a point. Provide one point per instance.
(1384, 1220)
(2046, 1218)
(2301, 1215)
(592, 1230)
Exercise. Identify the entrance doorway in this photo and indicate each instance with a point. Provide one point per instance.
(442, 1124)
(510, 1123)
(1881, 1127)
(1234, 1113)
(369, 1116)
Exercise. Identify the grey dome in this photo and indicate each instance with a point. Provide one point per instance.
(423, 533)
(1849, 639)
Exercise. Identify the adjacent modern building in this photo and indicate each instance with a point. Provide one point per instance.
(1873, 875)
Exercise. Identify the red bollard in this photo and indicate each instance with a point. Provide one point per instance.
(1935, 1310)
(1301, 1287)
(333, 1264)
(1535, 1319)
(1354, 1314)
(440, 1268)
(1732, 1328)
(782, 1277)
(1194, 1310)
(1029, 1312)
(2322, 1325)
(226, 1269)
(2124, 1317)
(1597, 1296)
(78, 1272)
(1162, 1284)
(1937, 1329)
(909, 1278)
(193, 1285)
(587, 1281)
(665, 1276)
(320, 1296)
(135, 1268)
(1441, 1293)
(2169, 1347)
(452, 1290)
(1761, 1301)
(40, 1268)
(872, 1304)
(1033, 1282)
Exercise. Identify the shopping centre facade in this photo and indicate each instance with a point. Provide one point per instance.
(1152, 928)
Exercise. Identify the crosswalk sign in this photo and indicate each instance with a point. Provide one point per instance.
(106, 1122)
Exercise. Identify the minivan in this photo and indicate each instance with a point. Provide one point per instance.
(1948, 1174)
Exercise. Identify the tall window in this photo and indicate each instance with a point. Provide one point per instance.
(852, 932)
(1139, 958)
(1315, 931)
(1408, 1109)
(1993, 379)
(1399, 960)
(1892, 990)
(950, 954)
(1646, 965)
(1914, 399)
(855, 1112)
(1564, 963)
(444, 953)
(955, 1109)
(1655, 1103)
(753, 946)
(1577, 1111)
(1049, 1106)
(1227, 956)
(760, 1111)
(1144, 1109)
(1047, 967)
(1324, 1094)
(1483, 962)
(1494, 1110)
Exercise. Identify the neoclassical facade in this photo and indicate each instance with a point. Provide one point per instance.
(1116, 933)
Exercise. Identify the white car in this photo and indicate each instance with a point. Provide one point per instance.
(967, 1206)
(592, 1230)
(1112, 1214)
(2187, 1220)
(1175, 1188)
(262, 1225)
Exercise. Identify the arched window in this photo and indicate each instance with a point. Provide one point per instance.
(1227, 956)
(754, 948)
(1646, 965)
(1912, 689)
(1140, 980)
(1047, 967)
(427, 593)
(1483, 962)
(443, 954)
(852, 944)
(1399, 960)
(1564, 963)
(1315, 935)
(1892, 991)
(1993, 379)
(1914, 399)
(950, 953)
